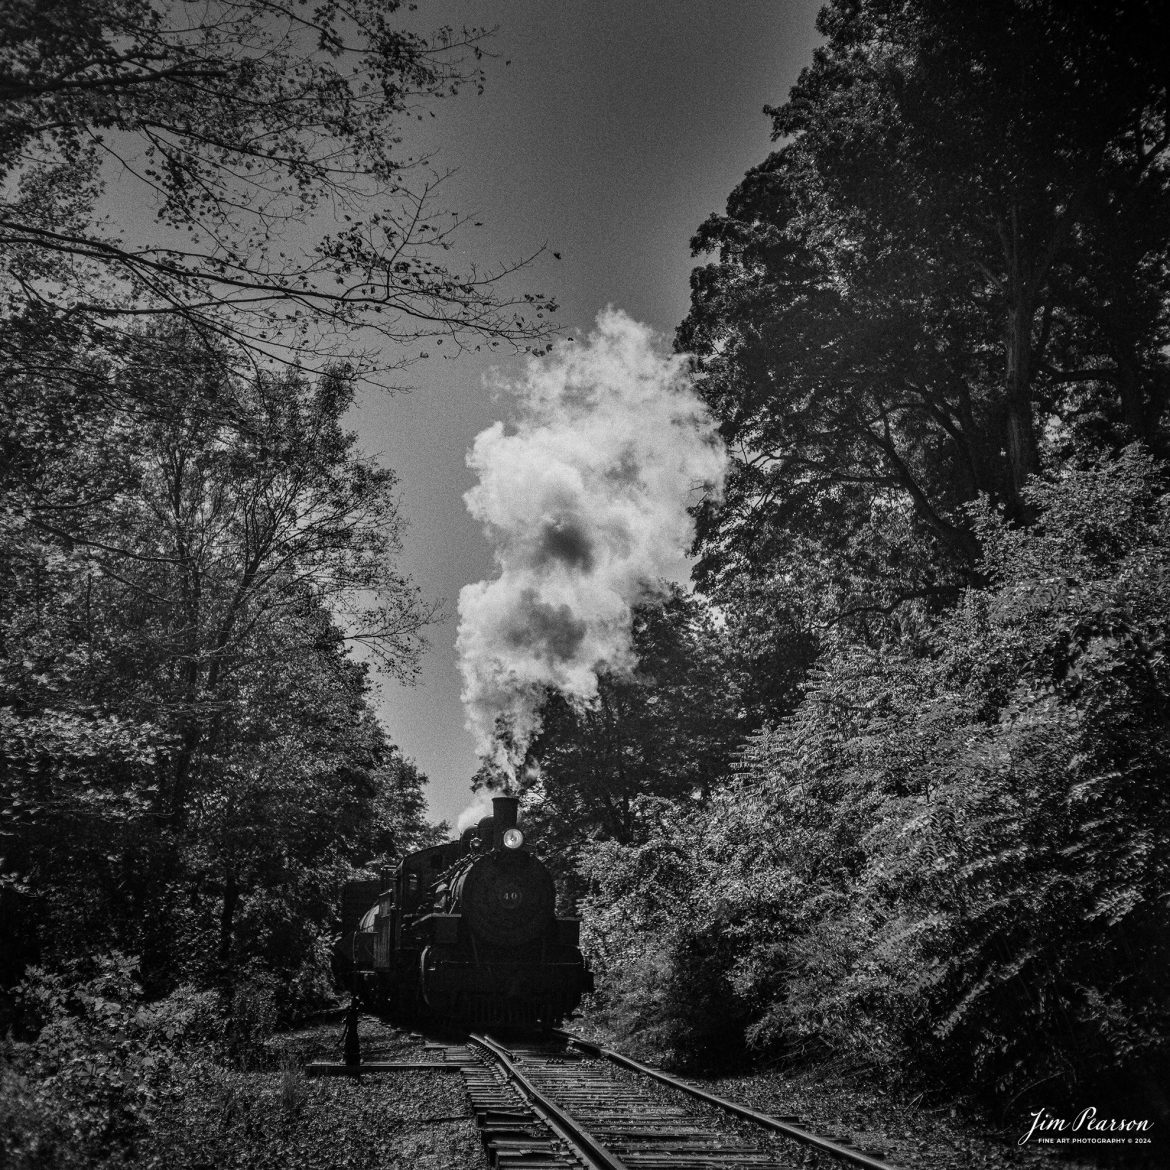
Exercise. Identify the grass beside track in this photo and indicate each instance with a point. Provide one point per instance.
(911, 1133)
(276, 1117)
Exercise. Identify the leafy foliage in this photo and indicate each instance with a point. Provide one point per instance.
(932, 326)
(666, 730)
(191, 762)
(85, 1088)
(660, 947)
(199, 200)
(948, 859)
(949, 273)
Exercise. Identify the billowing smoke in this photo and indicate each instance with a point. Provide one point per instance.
(585, 501)
(479, 808)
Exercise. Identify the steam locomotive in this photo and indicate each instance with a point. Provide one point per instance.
(464, 933)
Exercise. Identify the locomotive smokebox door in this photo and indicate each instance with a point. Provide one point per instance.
(507, 898)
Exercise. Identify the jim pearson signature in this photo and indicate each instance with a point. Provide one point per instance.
(1086, 1121)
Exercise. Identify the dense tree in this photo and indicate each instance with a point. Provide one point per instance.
(934, 332)
(662, 938)
(953, 268)
(239, 163)
(950, 861)
(667, 729)
(204, 517)
(181, 583)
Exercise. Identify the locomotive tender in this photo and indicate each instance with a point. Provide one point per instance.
(466, 932)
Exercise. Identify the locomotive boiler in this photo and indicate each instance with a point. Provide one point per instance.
(465, 932)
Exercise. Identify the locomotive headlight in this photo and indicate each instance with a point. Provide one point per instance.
(513, 839)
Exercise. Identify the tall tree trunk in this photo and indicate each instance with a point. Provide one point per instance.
(1129, 389)
(1023, 452)
(1024, 275)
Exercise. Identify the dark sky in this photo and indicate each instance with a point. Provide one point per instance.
(608, 130)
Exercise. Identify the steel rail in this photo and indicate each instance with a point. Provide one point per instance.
(562, 1124)
(837, 1149)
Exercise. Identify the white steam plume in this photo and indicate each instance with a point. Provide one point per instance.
(586, 505)
(479, 808)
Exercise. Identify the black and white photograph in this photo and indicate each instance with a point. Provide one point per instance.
(584, 584)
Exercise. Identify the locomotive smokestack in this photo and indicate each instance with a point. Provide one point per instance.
(504, 815)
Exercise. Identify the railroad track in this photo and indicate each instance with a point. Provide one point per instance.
(548, 1106)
